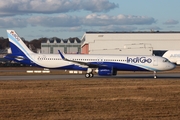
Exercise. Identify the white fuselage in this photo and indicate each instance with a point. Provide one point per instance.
(149, 63)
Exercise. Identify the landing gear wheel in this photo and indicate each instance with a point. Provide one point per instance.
(89, 75)
(155, 76)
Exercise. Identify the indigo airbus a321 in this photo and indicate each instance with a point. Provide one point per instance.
(104, 65)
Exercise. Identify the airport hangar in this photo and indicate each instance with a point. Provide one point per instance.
(136, 43)
(69, 46)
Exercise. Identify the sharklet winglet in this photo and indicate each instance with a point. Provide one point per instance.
(62, 56)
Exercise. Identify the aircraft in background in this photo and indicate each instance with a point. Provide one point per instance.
(173, 56)
(104, 65)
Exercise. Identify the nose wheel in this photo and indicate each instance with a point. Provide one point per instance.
(89, 75)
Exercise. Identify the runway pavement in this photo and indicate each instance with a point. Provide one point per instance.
(66, 77)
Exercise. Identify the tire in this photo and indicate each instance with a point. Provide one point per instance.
(87, 75)
(91, 75)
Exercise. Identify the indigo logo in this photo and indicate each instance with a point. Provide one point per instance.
(139, 60)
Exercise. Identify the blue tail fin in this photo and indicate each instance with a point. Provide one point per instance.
(20, 52)
(18, 47)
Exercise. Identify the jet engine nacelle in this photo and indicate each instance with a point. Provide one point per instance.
(105, 72)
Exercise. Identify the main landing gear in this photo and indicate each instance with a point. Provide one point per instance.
(89, 73)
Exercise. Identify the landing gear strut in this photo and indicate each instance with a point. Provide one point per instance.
(155, 76)
(89, 73)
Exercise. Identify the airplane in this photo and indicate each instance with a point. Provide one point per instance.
(104, 65)
(173, 56)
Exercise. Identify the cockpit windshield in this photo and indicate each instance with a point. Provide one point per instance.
(165, 60)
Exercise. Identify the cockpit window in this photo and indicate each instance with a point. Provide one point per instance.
(165, 60)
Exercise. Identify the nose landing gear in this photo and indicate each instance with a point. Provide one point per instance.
(155, 76)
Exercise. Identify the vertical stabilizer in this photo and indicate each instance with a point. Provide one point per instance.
(16, 44)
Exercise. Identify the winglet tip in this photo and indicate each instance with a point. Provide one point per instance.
(61, 54)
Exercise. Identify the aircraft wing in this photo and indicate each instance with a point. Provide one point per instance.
(90, 65)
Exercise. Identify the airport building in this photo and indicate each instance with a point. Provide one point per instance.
(70, 46)
(142, 43)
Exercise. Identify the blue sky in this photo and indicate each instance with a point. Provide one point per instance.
(33, 19)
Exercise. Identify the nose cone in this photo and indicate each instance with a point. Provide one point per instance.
(171, 66)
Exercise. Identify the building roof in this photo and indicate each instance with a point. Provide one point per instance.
(105, 32)
(58, 40)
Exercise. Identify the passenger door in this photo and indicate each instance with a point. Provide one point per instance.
(155, 61)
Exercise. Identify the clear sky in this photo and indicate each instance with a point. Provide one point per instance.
(33, 19)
